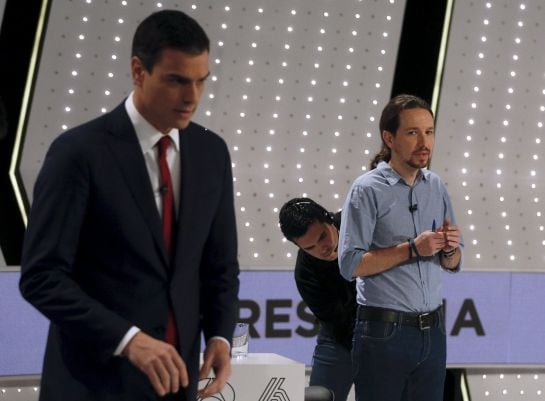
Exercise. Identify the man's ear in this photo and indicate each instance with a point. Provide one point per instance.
(137, 71)
(387, 137)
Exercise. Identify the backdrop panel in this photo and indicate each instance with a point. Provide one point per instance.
(488, 320)
(489, 143)
(296, 90)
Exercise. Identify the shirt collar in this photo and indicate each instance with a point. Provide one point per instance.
(393, 177)
(147, 134)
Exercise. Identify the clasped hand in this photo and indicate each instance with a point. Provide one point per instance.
(445, 238)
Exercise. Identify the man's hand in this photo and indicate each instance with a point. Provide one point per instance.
(160, 362)
(451, 256)
(429, 243)
(216, 356)
(446, 238)
(451, 235)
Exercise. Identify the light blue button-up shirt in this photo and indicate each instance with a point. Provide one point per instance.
(377, 215)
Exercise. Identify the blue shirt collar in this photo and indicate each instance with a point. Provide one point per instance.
(392, 177)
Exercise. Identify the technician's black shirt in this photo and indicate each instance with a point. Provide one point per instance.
(329, 296)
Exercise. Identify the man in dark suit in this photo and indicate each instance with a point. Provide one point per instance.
(128, 300)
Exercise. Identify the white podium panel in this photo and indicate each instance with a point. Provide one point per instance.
(262, 377)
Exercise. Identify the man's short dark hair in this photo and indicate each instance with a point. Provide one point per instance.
(168, 29)
(298, 214)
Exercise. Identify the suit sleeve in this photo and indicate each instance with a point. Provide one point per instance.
(49, 275)
(220, 269)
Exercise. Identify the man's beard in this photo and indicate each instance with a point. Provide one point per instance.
(417, 165)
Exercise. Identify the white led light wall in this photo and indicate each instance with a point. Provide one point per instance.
(296, 90)
(506, 384)
(490, 135)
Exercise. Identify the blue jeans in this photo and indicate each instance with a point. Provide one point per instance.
(331, 366)
(393, 362)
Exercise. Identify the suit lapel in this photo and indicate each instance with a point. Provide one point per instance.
(186, 183)
(128, 154)
(190, 162)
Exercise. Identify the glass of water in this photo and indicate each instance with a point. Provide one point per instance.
(240, 340)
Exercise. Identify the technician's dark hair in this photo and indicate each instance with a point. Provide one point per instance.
(389, 121)
(298, 214)
(168, 29)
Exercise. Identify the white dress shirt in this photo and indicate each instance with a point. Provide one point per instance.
(148, 138)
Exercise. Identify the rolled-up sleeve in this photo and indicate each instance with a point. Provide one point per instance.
(357, 226)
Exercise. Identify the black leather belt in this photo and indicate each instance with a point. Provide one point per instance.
(421, 320)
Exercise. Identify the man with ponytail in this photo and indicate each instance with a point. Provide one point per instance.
(398, 232)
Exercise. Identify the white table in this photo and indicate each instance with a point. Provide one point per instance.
(263, 377)
(257, 377)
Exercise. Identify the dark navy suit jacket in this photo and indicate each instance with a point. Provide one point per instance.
(94, 259)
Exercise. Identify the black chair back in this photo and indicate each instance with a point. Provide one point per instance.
(318, 393)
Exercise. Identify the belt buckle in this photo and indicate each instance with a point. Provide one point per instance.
(423, 322)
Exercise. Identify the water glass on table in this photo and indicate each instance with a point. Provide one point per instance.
(240, 340)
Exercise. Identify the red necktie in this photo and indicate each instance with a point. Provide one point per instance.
(167, 195)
